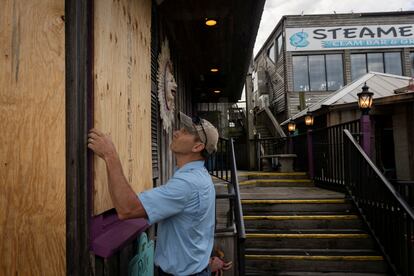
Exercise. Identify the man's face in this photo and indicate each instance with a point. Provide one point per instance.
(170, 89)
(183, 141)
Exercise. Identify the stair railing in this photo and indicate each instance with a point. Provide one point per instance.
(265, 117)
(387, 215)
(223, 166)
(328, 156)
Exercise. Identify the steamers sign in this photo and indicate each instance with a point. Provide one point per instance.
(349, 37)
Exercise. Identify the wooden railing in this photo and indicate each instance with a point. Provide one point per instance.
(387, 214)
(223, 166)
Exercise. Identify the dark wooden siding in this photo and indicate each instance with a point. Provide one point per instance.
(154, 94)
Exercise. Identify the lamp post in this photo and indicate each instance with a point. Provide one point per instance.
(365, 103)
(309, 123)
(291, 129)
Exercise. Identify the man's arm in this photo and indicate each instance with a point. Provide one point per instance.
(123, 196)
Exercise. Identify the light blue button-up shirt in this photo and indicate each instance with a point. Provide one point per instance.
(185, 210)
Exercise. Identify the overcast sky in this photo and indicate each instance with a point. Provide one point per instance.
(275, 9)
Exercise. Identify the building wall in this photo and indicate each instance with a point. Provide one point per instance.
(32, 151)
(288, 105)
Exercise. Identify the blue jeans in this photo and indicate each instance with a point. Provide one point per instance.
(206, 272)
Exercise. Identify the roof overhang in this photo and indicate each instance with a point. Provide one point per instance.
(227, 46)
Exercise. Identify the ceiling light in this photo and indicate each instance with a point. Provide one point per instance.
(217, 91)
(214, 70)
(210, 22)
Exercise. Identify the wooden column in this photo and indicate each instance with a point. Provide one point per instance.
(78, 87)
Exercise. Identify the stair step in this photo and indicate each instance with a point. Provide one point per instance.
(306, 273)
(312, 251)
(252, 206)
(275, 263)
(309, 241)
(273, 175)
(305, 231)
(303, 222)
(289, 193)
(269, 213)
(252, 183)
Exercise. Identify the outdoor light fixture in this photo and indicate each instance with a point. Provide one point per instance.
(291, 126)
(210, 22)
(365, 99)
(217, 91)
(309, 118)
(214, 70)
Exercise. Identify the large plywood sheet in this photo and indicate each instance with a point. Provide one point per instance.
(122, 91)
(32, 138)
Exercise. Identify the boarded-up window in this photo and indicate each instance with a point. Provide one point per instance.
(122, 91)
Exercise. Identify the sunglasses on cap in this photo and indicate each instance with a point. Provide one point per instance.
(198, 122)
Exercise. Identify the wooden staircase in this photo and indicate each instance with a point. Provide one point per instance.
(295, 228)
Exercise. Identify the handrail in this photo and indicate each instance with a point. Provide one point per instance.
(387, 215)
(218, 165)
(389, 186)
(238, 211)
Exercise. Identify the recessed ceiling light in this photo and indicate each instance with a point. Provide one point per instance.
(217, 91)
(214, 70)
(210, 22)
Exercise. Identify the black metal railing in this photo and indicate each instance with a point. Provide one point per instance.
(223, 166)
(328, 157)
(388, 216)
(268, 147)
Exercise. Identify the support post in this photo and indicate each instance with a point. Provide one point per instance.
(366, 134)
(310, 152)
(291, 144)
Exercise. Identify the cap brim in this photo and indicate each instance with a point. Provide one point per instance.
(185, 121)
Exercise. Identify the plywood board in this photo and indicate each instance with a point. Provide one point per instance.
(122, 91)
(32, 151)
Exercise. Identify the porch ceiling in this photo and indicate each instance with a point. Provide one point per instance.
(227, 46)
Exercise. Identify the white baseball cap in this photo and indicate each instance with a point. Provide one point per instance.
(204, 129)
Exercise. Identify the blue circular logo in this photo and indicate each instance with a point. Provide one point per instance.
(299, 40)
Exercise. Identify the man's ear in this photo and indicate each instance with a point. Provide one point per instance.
(198, 147)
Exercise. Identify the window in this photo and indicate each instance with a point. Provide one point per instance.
(279, 46)
(334, 72)
(317, 72)
(358, 66)
(376, 62)
(393, 63)
(271, 52)
(412, 63)
(300, 73)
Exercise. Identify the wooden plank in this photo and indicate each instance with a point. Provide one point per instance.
(32, 152)
(122, 91)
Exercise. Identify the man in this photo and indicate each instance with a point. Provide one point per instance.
(184, 206)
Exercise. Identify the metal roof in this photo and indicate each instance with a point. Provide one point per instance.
(381, 84)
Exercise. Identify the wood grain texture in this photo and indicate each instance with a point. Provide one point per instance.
(122, 91)
(32, 151)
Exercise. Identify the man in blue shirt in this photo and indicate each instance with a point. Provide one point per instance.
(184, 206)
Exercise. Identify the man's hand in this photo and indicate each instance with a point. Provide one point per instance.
(218, 265)
(101, 144)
